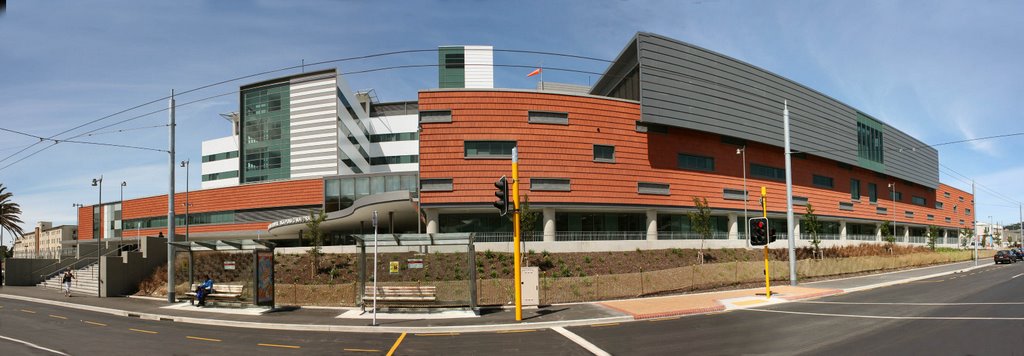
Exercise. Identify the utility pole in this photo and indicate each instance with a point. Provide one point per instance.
(170, 205)
(789, 196)
(188, 204)
(974, 222)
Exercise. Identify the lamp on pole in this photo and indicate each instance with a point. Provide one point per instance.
(191, 276)
(991, 228)
(742, 151)
(121, 203)
(99, 233)
(893, 187)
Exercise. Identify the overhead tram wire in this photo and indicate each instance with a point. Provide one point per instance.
(375, 55)
(983, 187)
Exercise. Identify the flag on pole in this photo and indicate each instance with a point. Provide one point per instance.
(534, 72)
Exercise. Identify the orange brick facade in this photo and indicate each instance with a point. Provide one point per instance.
(251, 196)
(567, 152)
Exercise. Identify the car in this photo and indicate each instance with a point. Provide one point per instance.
(1004, 256)
(1017, 253)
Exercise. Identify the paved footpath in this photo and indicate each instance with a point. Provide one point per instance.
(563, 315)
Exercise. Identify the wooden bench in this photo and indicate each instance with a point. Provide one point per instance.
(220, 291)
(401, 293)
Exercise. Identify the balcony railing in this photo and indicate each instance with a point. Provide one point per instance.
(918, 239)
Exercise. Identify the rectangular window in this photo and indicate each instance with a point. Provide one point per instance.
(854, 189)
(938, 205)
(967, 211)
(916, 200)
(454, 60)
(436, 185)
(435, 116)
(845, 206)
(652, 188)
(766, 172)
(881, 211)
(733, 194)
(489, 149)
(961, 199)
(869, 141)
(872, 192)
(221, 175)
(543, 117)
(898, 196)
(945, 194)
(797, 200)
(822, 181)
(931, 217)
(550, 184)
(697, 163)
(909, 214)
(604, 153)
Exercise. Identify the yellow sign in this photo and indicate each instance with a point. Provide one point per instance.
(394, 267)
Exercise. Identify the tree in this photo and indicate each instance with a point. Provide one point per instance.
(700, 222)
(933, 234)
(966, 235)
(887, 235)
(10, 214)
(811, 226)
(316, 239)
(527, 217)
(996, 241)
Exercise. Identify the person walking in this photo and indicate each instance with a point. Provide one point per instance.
(66, 281)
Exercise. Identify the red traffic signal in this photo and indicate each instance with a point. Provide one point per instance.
(502, 194)
(759, 231)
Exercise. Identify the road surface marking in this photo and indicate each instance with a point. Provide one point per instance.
(144, 331)
(926, 281)
(362, 350)
(94, 323)
(58, 317)
(750, 302)
(581, 341)
(281, 346)
(516, 331)
(898, 303)
(395, 346)
(1022, 274)
(665, 319)
(202, 338)
(605, 324)
(887, 317)
(28, 311)
(437, 334)
(29, 344)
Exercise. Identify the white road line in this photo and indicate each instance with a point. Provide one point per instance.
(1022, 274)
(29, 344)
(898, 303)
(581, 341)
(885, 317)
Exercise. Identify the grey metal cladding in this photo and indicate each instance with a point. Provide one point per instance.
(687, 86)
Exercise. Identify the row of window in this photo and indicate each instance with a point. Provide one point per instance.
(390, 137)
(221, 175)
(220, 156)
(377, 161)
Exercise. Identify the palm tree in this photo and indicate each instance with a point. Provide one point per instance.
(10, 214)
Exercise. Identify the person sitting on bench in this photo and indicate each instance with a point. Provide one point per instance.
(203, 290)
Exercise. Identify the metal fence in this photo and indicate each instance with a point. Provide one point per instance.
(862, 237)
(674, 235)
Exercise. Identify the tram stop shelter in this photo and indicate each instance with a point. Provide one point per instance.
(262, 286)
(390, 241)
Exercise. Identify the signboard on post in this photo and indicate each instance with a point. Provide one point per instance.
(393, 267)
(229, 265)
(414, 263)
(264, 293)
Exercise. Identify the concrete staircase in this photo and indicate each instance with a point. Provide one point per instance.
(85, 282)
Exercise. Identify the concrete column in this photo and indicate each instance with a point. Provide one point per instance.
(432, 224)
(549, 224)
(796, 230)
(878, 232)
(734, 228)
(906, 234)
(652, 224)
(842, 230)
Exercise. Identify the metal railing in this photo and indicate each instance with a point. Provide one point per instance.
(599, 235)
(820, 237)
(676, 235)
(862, 237)
(507, 236)
(918, 239)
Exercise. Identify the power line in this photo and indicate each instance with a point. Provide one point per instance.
(125, 130)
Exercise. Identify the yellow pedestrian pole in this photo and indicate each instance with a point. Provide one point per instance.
(767, 269)
(515, 236)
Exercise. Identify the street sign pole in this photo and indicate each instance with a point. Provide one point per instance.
(767, 267)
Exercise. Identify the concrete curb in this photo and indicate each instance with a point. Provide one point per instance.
(321, 327)
(679, 312)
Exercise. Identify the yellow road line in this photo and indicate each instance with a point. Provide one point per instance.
(362, 350)
(28, 311)
(281, 346)
(516, 331)
(395, 346)
(94, 323)
(605, 324)
(202, 338)
(58, 317)
(144, 331)
(438, 334)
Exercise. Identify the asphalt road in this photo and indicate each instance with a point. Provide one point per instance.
(975, 313)
(978, 312)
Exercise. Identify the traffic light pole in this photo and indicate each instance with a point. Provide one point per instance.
(515, 238)
(767, 270)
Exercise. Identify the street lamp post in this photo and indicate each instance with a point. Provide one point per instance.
(191, 276)
(121, 202)
(99, 233)
(893, 187)
(742, 151)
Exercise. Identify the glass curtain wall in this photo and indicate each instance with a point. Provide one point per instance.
(265, 140)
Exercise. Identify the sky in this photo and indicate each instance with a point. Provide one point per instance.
(940, 71)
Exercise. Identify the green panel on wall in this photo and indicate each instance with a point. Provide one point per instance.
(451, 67)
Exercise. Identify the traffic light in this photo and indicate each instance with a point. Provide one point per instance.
(502, 203)
(771, 235)
(758, 231)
